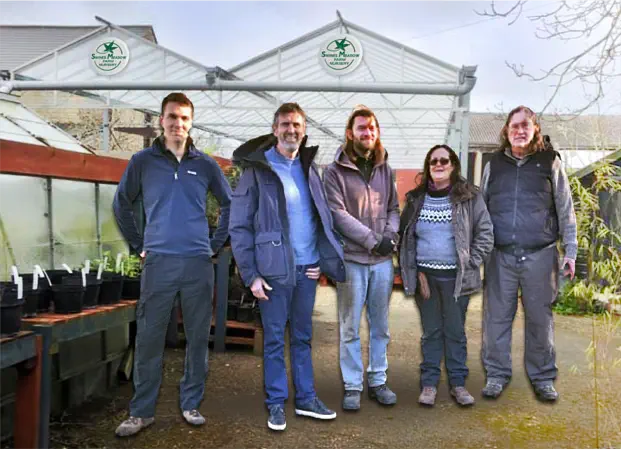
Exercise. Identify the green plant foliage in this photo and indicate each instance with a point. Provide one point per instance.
(132, 265)
(599, 247)
(232, 175)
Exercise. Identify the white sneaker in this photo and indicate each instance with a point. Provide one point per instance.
(193, 417)
(133, 425)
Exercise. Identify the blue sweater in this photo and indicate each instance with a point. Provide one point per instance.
(174, 196)
(435, 242)
(300, 214)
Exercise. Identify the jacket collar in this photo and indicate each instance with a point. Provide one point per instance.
(252, 153)
(343, 158)
(190, 150)
(418, 194)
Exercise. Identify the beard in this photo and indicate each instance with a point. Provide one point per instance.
(362, 150)
(290, 147)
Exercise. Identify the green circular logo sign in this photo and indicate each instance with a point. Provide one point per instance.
(110, 56)
(340, 55)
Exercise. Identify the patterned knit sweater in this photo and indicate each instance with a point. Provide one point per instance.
(435, 243)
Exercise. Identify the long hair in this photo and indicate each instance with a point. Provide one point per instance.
(536, 144)
(362, 111)
(459, 185)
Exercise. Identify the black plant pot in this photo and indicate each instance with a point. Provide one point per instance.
(46, 296)
(245, 312)
(131, 288)
(10, 310)
(68, 299)
(91, 294)
(231, 309)
(30, 297)
(111, 288)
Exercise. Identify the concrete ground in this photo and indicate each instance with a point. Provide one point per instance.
(236, 417)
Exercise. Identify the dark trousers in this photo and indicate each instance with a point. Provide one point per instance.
(537, 276)
(293, 304)
(163, 277)
(443, 318)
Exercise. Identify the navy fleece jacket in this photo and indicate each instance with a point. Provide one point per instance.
(175, 199)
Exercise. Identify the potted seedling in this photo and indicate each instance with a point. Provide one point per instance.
(112, 279)
(132, 268)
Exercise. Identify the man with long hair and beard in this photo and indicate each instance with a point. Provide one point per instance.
(529, 200)
(363, 199)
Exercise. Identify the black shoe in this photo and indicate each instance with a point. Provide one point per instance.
(546, 392)
(351, 400)
(492, 389)
(383, 395)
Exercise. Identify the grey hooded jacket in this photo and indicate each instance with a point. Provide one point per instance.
(474, 239)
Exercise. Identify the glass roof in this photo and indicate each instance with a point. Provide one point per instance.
(410, 124)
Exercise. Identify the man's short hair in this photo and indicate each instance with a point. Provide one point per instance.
(177, 97)
(288, 108)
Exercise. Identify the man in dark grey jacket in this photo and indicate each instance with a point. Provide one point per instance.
(363, 198)
(529, 200)
(282, 238)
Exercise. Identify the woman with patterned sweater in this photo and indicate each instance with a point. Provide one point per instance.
(446, 233)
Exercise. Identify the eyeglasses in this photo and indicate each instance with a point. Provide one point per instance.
(442, 161)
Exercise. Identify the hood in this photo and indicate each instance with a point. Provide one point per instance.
(343, 157)
(252, 153)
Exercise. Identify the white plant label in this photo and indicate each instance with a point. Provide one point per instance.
(46, 276)
(83, 278)
(87, 265)
(15, 273)
(20, 288)
(118, 261)
(67, 268)
(35, 281)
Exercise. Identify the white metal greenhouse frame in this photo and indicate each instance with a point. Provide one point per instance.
(420, 101)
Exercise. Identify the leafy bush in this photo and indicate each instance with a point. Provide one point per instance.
(599, 247)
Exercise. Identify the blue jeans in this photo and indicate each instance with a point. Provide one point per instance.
(443, 319)
(369, 285)
(294, 304)
(163, 276)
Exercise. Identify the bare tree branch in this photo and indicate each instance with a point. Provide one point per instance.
(593, 66)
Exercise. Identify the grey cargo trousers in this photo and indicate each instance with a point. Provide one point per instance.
(163, 277)
(537, 276)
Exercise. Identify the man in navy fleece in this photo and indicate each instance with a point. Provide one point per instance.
(174, 179)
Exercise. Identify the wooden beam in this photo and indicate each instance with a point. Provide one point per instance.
(35, 160)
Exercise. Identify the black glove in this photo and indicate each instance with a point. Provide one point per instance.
(385, 247)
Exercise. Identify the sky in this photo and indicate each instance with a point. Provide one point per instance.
(228, 33)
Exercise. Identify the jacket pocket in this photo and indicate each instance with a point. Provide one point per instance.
(471, 280)
(270, 254)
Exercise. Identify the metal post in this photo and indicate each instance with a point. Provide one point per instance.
(46, 385)
(98, 221)
(222, 298)
(50, 223)
(105, 131)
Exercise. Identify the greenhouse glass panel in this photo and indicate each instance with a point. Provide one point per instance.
(24, 229)
(74, 222)
(111, 238)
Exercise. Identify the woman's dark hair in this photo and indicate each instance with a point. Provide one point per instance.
(459, 185)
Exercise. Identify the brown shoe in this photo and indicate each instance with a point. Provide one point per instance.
(462, 396)
(428, 396)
